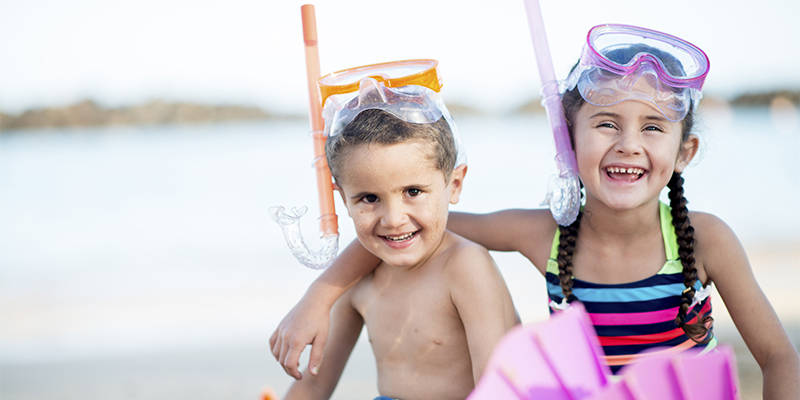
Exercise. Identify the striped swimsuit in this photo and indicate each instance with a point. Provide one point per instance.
(632, 317)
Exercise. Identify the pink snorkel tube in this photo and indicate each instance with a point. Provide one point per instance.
(564, 196)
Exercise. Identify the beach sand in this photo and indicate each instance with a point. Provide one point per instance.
(242, 370)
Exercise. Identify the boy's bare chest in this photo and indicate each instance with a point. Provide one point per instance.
(410, 321)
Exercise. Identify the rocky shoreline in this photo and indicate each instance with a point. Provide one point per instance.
(156, 112)
(159, 112)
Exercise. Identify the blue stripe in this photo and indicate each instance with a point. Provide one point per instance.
(620, 294)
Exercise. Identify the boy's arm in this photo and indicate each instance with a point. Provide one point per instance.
(346, 325)
(483, 301)
(725, 263)
(308, 322)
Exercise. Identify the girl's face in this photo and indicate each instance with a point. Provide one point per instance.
(627, 152)
(398, 200)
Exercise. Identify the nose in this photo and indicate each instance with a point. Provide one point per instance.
(629, 142)
(394, 214)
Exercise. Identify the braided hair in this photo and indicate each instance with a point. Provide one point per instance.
(685, 233)
(698, 331)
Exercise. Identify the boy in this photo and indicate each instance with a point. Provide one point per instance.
(436, 305)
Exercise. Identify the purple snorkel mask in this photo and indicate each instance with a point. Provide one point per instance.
(622, 62)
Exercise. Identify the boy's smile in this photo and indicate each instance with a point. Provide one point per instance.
(398, 200)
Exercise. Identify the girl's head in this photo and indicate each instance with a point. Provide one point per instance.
(623, 127)
(573, 98)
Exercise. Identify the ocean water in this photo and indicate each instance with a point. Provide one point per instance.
(144, 239)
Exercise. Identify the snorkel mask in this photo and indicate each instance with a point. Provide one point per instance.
(408, 89)
(622, 62)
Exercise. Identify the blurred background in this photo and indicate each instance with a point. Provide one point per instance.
(141, 144)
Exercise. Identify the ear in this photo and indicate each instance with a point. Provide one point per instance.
(687, 152)
(457, 182)
(344, 198)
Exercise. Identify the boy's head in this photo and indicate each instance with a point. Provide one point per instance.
(392, 149)
(396, 179)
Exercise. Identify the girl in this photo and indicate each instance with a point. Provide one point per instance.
(643, 269)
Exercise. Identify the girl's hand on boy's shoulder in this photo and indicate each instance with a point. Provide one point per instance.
(305, 324)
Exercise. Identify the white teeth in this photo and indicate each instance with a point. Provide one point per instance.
(400, 238)
(618, 170)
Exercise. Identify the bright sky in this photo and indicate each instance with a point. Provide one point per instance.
(122, 52)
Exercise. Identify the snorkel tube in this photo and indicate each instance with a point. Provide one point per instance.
(328, 224)
(564, 193)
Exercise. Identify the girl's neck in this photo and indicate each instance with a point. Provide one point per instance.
(618, 246)
(612, 223)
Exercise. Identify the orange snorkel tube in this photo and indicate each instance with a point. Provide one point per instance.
(328, 223)
(290, 222)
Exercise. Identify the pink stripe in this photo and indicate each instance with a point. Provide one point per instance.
(650, 317)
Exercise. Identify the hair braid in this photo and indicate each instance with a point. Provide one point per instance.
(686, 242)
(566, 247)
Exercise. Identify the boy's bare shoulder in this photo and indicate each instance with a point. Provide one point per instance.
(464, 255)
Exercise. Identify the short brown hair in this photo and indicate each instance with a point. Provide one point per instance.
(375, 126)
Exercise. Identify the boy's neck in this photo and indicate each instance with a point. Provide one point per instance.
(428, 257)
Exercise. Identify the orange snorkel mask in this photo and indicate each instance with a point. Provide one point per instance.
(409, 90)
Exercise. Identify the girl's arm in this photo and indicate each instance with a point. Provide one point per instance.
(308, 322)
(529, 232)
(725, 263)
(345, 328)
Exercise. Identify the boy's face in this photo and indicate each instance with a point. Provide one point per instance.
(398, 200)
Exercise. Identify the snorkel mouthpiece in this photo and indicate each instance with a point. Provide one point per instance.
(290, 225)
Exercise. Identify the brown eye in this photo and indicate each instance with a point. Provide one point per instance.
(414, 192)
(653, 128)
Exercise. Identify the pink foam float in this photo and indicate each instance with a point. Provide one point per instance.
(561, 358)
(556, 359)
(684, 376)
